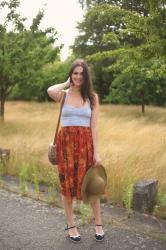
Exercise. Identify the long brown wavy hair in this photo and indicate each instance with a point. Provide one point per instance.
(87, 90)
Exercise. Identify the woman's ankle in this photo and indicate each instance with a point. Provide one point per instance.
(99, 229)
(74, 231)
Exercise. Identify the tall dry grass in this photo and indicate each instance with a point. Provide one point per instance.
(132, 145)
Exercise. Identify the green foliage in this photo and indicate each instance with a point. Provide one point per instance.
(96, 29)
(129, 184)
(98, 33)
(162, 199)
(135, 80)
(160, 208)
(3, 169)
(52, 186)
(124, 41)
(142, 7)
(85, 213)
(141, 70)
(23, 179)
(24, 53)
(128, 55)
(35, 175)
(132, 5)
(51, 73)
(128, 197)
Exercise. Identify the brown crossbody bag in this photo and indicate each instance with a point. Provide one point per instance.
(52, 153)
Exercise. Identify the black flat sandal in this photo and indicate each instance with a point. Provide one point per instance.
(99, 237)
(75, 239)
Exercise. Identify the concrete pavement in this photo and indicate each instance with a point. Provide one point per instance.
(26, 224)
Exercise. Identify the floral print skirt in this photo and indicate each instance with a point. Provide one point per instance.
(75, 157)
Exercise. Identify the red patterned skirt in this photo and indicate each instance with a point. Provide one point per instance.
(75, 157)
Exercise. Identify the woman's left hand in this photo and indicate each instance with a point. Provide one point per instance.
(97, 160)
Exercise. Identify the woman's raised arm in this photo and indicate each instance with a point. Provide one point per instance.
(55, 91)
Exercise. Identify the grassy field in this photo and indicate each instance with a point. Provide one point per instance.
(132, 145)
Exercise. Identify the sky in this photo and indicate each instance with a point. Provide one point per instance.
(63, 15)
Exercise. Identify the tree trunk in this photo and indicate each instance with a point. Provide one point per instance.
(143, 102)
(2, 105)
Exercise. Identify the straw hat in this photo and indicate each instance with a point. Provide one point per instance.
(94, 183)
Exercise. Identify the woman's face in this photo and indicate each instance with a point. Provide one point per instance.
(77, 76)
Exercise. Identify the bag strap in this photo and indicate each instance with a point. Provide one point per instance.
(61, 105)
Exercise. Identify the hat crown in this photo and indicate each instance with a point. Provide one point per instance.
(95, 186)
(94, 183)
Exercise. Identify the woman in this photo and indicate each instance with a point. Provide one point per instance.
(77, 144)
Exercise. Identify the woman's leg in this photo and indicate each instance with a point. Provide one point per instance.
(69, 215)
(97, 215)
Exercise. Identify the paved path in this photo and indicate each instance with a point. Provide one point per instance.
(26, 224)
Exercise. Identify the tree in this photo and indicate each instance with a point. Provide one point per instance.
(51, 73)
(139, 69)
(23, 52)
(98, 33)
(132, 5)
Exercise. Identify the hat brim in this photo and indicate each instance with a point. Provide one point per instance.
(92, 171)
